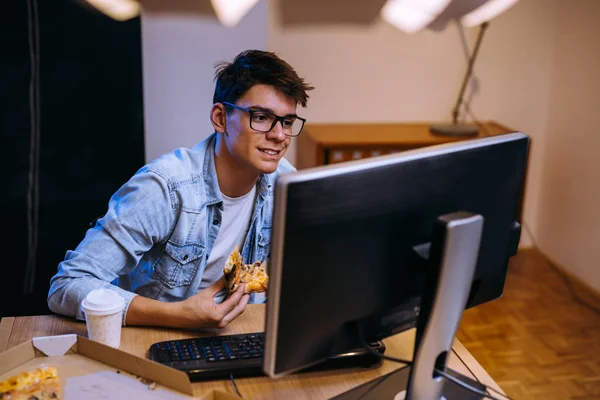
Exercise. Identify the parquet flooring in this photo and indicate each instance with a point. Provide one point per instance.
(536, 341)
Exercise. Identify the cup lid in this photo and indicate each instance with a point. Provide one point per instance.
(102, 302)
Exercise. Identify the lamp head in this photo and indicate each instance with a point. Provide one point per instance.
(119, 10)
(229, 12)
(414, 15)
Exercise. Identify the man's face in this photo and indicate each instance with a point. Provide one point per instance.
(260, 151)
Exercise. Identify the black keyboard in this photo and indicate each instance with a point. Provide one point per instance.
(216, 357)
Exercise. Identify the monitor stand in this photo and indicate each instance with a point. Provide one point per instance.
(452, 259)
(386, 388)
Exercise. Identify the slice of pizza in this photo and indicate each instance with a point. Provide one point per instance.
(41, 384)
(253, 275)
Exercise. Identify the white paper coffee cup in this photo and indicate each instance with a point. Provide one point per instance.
(103, 310)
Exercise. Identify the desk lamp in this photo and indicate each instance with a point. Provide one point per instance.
(414, 15)
(440, 327)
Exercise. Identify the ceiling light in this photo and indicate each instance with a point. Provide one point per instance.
(120, 10)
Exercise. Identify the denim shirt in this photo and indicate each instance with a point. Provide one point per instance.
(158, 232)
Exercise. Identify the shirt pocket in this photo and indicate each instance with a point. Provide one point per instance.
(264, 243)
(178, 264)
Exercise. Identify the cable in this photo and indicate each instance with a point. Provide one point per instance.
(235, 386)
(370, 350)
(472, 373)
(562, 274)
(469, 387)
(442, 373)
(477, 379)
(465, 364)
(383, 356)
(362, 396)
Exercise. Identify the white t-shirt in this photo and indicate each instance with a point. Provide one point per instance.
(235, 222)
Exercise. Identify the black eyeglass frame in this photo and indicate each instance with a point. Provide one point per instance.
(277, 118)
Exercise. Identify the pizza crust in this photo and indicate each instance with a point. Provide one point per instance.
(253, 275)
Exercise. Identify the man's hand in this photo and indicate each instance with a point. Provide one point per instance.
(197, 311)
(201, 311)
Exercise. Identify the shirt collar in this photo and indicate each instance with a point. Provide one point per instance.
(209, 172)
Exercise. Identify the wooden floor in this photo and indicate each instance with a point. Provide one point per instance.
(536, 341)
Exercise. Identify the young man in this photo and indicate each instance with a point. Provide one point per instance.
(168, 231)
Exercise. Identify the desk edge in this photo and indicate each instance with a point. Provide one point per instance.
(467, 359)
(6, 327)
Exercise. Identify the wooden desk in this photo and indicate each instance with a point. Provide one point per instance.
(318, 385)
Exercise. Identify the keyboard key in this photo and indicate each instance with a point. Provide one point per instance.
(163, 356)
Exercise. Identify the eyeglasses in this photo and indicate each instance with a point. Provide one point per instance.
(264, 121)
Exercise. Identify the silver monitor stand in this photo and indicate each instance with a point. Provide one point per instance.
(452, 259)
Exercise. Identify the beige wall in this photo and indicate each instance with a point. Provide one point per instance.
(181, 42)
(377, 73)
(569, 207)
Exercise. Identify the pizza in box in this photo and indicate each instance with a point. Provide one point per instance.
(39, 384)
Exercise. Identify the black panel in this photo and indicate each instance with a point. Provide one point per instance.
(91, 137)
(349, 241)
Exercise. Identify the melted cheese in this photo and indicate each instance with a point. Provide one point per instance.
(26, 379)
(253, 275)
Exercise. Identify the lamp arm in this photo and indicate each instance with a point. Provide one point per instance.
(459, 101)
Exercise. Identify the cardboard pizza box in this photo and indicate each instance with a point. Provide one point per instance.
(92, 370)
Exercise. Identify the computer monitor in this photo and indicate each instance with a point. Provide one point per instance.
(350, 243)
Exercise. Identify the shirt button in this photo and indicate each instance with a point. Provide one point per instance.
(185, 257)
(216, 222)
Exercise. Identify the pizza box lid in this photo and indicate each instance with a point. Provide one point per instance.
(92, 370)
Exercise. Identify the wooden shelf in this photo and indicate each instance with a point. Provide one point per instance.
(322, 144)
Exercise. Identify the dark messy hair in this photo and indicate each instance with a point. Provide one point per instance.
(253, 67)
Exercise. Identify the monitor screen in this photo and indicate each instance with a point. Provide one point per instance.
(350, 242)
